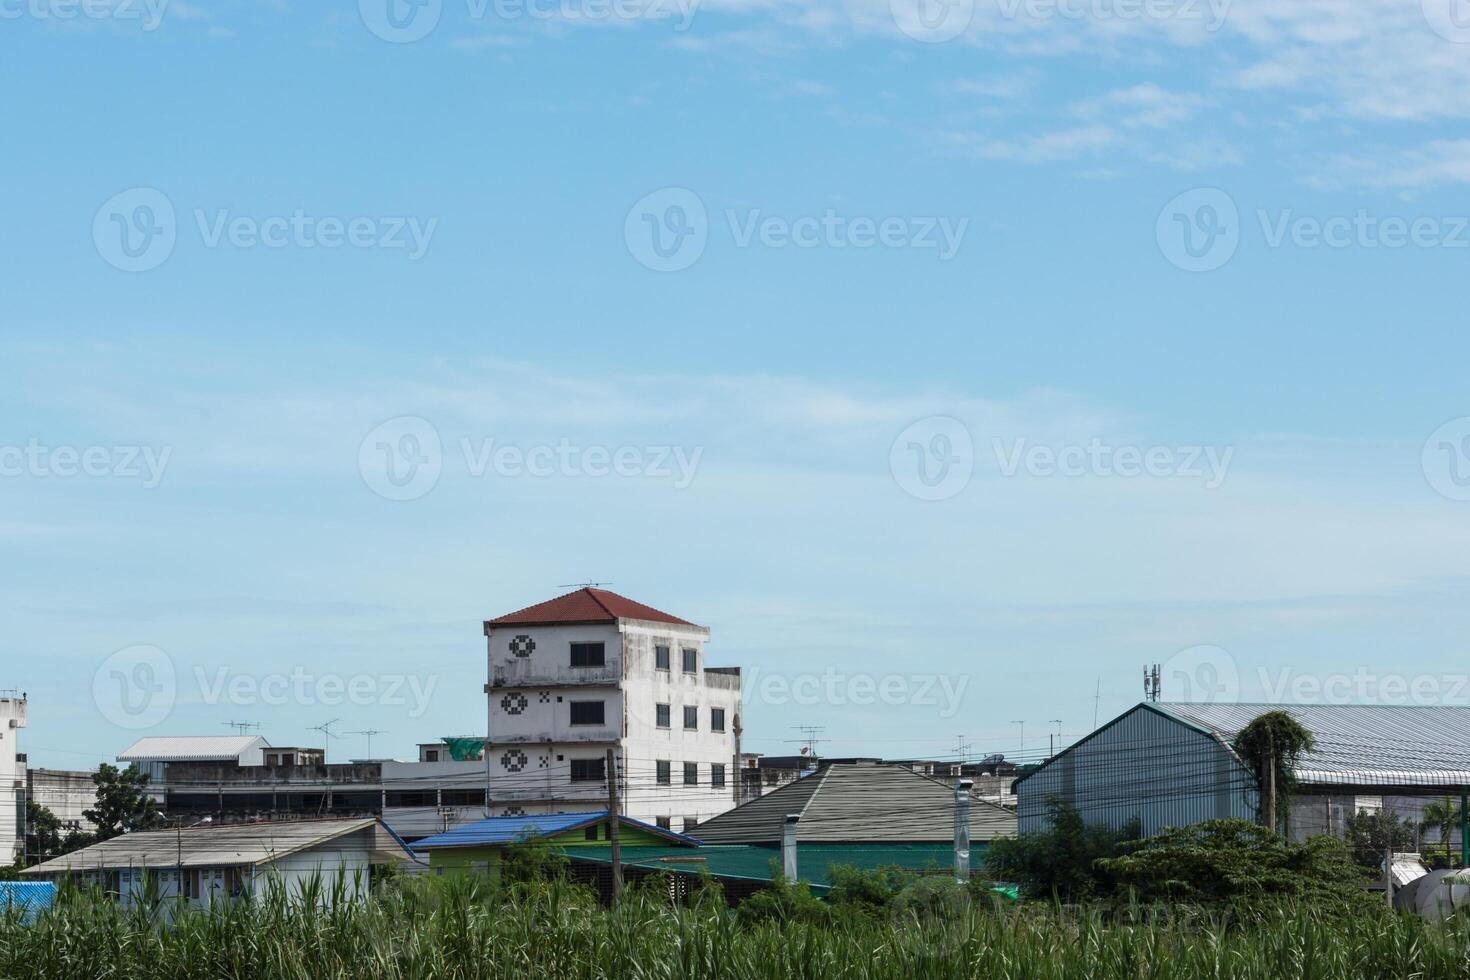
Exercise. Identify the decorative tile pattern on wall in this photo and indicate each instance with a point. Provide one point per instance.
(514, 761)
(522, 645)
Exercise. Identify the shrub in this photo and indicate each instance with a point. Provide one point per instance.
(866, 891)
(1062, 860)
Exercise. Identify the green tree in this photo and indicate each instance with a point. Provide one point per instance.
(1222, 860)
(1369, 834)
(1061, 860)
(123, 803)
(1442, 815)
(1271, 745)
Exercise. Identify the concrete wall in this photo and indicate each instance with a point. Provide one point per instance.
(533, 743)
(12, 779)
(65, 793)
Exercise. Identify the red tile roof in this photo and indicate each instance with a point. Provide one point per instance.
(585, 606)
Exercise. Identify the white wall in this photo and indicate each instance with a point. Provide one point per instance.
(12, 781)
(533, 741)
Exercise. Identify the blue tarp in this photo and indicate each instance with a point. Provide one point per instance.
(32, 897)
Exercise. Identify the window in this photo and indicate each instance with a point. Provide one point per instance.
(588, 770)
(587, 655)
(690, 823)
(663, 823)
(662, 712)
(691, 661)
(432, 755)
(412, 797)
(587, 713)
(691, 774)
(591, 832)
(462, 797)
(664, 777)
(691, 718)
(661, 657)
(717, 719)
(717, 774)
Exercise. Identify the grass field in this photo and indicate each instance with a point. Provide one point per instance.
(428, 928)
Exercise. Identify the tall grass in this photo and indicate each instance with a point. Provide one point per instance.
(463, 928)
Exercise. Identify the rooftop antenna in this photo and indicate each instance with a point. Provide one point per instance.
(962, 748)
(1151, 683)
(810, 732)
(1096, 699)
(583, 585)
(1022, 726)
(369, 732)
(326, 729)
(1054, 738)
(243, 727)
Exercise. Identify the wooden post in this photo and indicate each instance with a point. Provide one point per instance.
(1270, 780)
(612, 825)
(1464, 832)
(1388, 873)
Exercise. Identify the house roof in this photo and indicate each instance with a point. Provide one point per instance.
(191, 748)
(586, 606)
(508, 830)
(753, 862)
(225, 845)
(1374, 745)
(857, 803)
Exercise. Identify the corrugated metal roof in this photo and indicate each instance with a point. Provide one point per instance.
(30, 897)
(223, 845)
(851, 803)
(751, 862)
(507, 830)
(191, 748)
(1359, 744)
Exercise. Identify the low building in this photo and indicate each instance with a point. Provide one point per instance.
(208, 864)
(242, 778)
(12, 777)
(482, 845)
(1172, 765)
(68, 794)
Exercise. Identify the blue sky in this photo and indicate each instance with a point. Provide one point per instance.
(1239, 228)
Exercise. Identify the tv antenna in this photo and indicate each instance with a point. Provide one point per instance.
(583, 585)
(369, 732)
(811, 732)
(1151, 683)
(962, 748)
(243, 727)
(326, 729)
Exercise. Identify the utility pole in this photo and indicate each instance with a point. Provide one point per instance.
(1388, 871)
(737, 772)
(1270, 777)
(613, 814)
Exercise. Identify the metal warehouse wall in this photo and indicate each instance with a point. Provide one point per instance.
(1143, 765)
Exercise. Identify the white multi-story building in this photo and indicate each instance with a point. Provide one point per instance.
(590, 671)
(12, 777)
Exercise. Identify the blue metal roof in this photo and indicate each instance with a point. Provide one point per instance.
(508, 830)
(32, 897)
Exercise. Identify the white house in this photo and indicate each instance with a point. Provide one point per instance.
(12, 776)
(593, 670)
(211, 863)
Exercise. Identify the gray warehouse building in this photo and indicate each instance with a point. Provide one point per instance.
(1172, 765)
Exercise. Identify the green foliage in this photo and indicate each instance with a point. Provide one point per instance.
(531, 860)
(1222, 861)
(866, 892)
(1278, 740)
(426, 928)
(1443, 815)
(44, 836)
(784, 902)
(123, 804)
(1369, 834)
(1062, 860)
